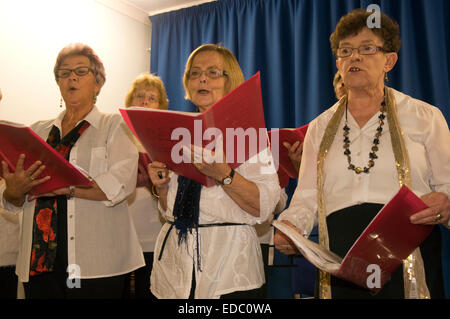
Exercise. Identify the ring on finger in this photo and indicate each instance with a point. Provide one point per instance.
(32, 178)
(437, 217)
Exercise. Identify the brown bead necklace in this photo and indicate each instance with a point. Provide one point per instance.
(376, 141)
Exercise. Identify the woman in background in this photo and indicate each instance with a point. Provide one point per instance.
(147, 90)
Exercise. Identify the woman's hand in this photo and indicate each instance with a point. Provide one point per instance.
(295, 152)
(213, 164)
(208, 164)
(19, 183)
(159, 176)
(283, 243)
(438, 211)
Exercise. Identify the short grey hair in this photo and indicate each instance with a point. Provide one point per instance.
(85, 50)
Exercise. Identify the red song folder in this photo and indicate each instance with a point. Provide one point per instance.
(380, 249)
(16, 139)
(237, 120)
(144, 159)
(286, 169)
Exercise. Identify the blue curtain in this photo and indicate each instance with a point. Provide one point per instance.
(288, 41)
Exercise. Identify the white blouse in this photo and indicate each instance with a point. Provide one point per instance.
(101, 237)
(230, 255)
(9, 237)
(427, 139)
(144, 211)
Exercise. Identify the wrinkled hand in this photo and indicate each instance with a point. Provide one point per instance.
(283, 243)
(438, 211)
(208, 162)
(159, 176)
(19, 183)
(295, 152)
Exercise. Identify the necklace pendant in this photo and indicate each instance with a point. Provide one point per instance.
(358, 170)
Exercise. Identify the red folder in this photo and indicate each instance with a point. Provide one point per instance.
(379, 250)
(285, 168)
(387, 241)
(16, 139)
(162, 132)
(144, 159)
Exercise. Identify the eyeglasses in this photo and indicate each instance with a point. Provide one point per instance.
(366, 49)
(80, 71)
(141, 97)
(212, 73)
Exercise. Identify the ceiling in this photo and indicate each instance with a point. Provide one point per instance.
(152, 7)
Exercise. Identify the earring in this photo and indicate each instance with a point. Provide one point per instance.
(60, 102)
(95, 97)
(386, 80)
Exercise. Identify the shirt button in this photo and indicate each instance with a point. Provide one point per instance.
(359, 153)
(70, 216)
(72, 238)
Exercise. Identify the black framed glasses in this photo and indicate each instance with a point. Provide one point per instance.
(80, 71)
(365, 49)
(212, 73)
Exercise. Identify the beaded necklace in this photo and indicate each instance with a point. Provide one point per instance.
(376, 141)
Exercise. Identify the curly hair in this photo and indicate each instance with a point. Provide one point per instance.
(148, 80)
(353, 22)
(85, 50)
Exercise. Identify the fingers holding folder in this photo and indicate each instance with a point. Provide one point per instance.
(21, 181)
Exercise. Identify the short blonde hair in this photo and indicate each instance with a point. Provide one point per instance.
(85, 50)
(147, 80)
(234, 74)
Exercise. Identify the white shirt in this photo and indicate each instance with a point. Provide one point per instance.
(101, 237)
(230, 255)
(265, 229)
(9, 237)
(427, 139)
(145, 213)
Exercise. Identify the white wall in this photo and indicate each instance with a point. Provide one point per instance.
(32, 32)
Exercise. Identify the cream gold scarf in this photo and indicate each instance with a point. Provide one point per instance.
(413, 270)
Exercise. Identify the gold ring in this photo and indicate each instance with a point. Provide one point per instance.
(437, 217)
(32, 178)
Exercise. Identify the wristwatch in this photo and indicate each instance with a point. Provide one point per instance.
(71, 192)
(228, 179)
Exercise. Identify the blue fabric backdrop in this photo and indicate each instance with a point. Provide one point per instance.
(288, 41)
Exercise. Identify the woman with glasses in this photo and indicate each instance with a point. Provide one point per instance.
(83, 232)
(359, 152)
(147, 90)
(208, 247)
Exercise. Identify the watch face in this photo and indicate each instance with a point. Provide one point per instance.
(227, 180)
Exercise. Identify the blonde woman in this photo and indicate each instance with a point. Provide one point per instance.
(147, 90)
(208, 247)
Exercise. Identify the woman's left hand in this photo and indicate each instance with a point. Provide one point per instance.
(295, 152)
(438, 211)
